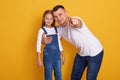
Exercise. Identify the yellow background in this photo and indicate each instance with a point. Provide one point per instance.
(19, 24)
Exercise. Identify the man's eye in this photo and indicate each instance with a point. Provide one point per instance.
(60, 14)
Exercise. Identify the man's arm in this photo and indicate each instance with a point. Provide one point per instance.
(46, 40)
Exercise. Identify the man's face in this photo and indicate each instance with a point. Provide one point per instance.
(60, 16)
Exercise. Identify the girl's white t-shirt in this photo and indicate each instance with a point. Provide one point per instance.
(50, 31)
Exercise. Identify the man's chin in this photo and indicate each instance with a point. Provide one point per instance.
(60, 24)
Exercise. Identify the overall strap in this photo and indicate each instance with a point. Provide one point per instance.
(44, 30)
(55, 29)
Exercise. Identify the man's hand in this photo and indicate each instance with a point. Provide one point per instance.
(75, 22)
(46, 40)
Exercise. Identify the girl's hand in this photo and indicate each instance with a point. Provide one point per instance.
(40, 63)
(62, 57)
(63, 60)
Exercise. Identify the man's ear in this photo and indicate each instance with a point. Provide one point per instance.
(65, 12)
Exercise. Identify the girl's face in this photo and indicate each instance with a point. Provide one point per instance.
(48, 20)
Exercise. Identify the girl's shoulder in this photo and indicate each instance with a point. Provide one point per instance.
(40, 30)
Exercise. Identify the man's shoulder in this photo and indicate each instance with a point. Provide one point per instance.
(76, 17)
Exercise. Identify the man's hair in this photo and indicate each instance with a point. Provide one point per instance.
(55, 8)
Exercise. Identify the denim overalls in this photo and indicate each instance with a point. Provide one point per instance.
(52, 57)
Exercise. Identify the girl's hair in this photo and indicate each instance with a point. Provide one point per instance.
(47, 12)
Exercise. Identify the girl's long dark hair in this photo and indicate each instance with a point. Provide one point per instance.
(47, 12)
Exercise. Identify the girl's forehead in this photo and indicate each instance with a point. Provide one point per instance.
(48, 16)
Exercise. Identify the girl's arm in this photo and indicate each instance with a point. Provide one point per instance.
(40, 62)
(62, 57)
(38, 48)
(61, 49)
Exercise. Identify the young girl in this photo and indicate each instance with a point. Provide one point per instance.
(52, 50)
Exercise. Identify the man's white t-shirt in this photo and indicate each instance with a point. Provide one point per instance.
(86, 43)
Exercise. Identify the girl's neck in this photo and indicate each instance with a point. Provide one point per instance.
(48, 26)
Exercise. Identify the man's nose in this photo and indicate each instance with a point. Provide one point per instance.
(59, 18)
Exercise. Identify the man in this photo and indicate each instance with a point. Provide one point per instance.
(90, 51)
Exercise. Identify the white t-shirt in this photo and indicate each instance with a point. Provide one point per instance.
(81, 38)
(50, 31)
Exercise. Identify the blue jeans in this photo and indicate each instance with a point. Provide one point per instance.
(92, 63)
(51, 64)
